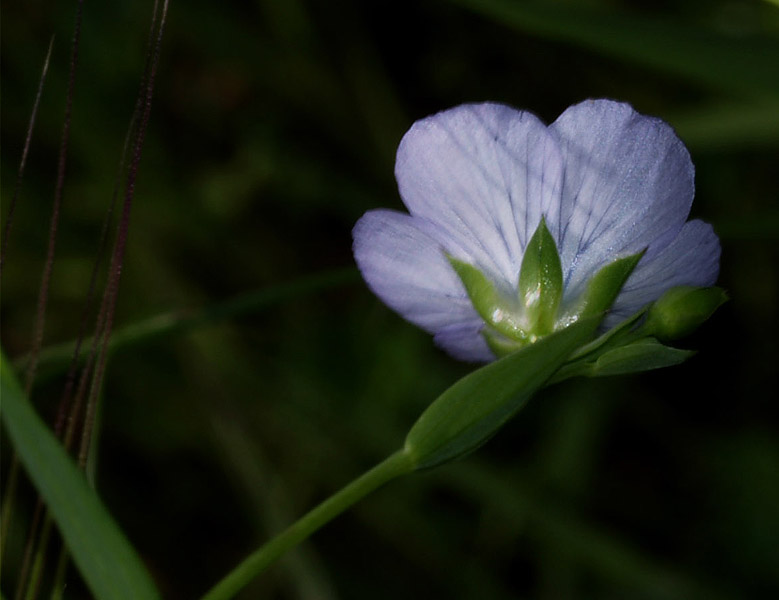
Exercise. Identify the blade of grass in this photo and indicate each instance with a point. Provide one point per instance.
(728, 127)
(41, 542)
(741, 65)
(66, 397)
(54, 359)
(110, 566)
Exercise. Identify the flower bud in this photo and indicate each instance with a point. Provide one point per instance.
(681, 310)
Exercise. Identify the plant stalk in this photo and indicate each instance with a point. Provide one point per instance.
(393, 466)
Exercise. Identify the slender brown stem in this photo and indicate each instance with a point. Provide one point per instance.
(13, 471)
(71, 417)
(70, 378)
(25, 152)
(43, 294)
(102, 327)
(73, 367)
(117, 260)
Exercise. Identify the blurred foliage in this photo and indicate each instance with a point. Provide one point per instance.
(274, 128)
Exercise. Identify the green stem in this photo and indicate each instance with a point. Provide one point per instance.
(59, 575)
(36, 574)
(7, 502)
(393, 466)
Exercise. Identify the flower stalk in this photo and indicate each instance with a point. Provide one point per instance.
(390, 468)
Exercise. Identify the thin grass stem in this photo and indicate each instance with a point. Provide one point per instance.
(25, 152)
(13, 471)
(58, 587)
(117, 260)
(43, 294)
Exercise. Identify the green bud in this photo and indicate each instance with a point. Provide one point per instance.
(681, 310)
(541, 281)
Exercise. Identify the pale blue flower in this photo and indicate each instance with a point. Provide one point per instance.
(478, 178)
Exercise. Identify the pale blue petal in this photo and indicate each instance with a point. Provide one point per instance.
(464, 341)
(628, 186)
(483, 173)
(690, 259)
(406, 267)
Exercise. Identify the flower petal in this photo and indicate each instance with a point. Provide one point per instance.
(628, 186)
(692, 258)
(484, 173)
(464, 341)
(406, 267)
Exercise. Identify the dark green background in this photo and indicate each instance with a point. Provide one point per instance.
(273, 129)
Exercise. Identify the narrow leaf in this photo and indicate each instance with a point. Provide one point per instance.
(473, 409)
(110, 566)
(643, 355)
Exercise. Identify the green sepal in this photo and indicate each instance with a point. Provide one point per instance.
(681, 310)
(604, 287)
(499, 344)
(540, 286)
(471, 411)
(494, 307)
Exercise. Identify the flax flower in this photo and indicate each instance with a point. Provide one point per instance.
(477, 180)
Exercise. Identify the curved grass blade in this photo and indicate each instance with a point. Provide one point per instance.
(745, 65)
(728, 127)
(109, 565)
(53, 360)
